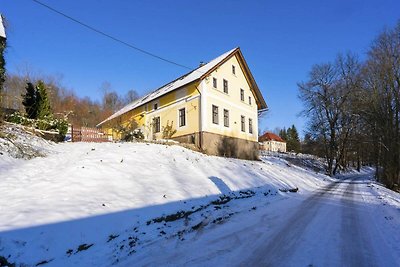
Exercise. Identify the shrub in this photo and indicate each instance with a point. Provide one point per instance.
(48, 123)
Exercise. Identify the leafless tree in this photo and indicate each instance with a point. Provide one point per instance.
(328, 96)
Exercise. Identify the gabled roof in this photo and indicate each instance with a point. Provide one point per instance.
(194, 75)
(270, 137)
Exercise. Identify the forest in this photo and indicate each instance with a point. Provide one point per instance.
(353, 109)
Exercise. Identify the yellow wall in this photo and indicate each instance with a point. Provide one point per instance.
(230, 101)
(167, 109)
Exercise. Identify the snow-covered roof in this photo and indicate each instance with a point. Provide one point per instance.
(2, 30)
(169, 87)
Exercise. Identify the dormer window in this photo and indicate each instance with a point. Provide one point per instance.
(233, 70)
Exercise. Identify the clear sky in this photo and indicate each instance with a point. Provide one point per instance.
(280, 41)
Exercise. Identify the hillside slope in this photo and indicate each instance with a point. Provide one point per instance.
(100, 204)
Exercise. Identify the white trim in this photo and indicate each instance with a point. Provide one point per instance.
(234, 105)
(177, 102)
(191, 98)
(203, 107)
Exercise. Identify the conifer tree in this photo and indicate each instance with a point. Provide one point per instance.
(30, 101)
(43, 102)
(2, 60)
(283, 134)
(293, 140)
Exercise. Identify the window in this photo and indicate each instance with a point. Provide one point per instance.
(226, 118)
(215, 114)
(250, 126)
(242, 94)
(225, 86)
(182, 117)
(249, 100)
(156, 124)
(215, 82)
(155, 106)
(242, 122)
(233, 70)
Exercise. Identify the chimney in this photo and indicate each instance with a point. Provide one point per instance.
(202, 63)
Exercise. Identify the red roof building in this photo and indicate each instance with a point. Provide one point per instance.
(272, 142)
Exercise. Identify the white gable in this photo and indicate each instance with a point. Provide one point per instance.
(2, 30)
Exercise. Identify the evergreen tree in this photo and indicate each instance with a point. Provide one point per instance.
(43, 102)
(283, 134)
(293, 140)
(30, 101)
(2, 60)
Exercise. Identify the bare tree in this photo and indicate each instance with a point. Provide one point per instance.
(328, 97)
(130, 96)
(381, 110)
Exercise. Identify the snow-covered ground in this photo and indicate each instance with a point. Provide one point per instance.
(129, 204)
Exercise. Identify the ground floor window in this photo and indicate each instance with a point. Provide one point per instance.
(242, 123)
(226, 118)
(182, 117)
(250, 126)
(156, 124)
(214, 114)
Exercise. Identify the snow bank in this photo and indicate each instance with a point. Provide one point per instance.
(17, 142)
(85, 193)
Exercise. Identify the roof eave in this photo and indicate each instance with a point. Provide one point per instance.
(261, 104)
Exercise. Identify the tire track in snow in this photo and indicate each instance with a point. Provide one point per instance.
(284, 243)
(354, 236)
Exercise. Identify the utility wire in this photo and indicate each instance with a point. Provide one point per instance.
(110, 37)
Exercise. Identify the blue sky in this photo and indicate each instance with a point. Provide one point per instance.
(280, 40)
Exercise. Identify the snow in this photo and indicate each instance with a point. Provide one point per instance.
(132, 200)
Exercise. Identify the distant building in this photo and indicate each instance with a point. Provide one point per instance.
(272, 142)
(2, 30)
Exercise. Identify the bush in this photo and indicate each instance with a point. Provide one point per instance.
(131, 136)
(48, 123)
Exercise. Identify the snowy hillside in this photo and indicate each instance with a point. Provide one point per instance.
(89, 204)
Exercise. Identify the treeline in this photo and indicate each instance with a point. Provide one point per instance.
(79, 111)
(353, 109)
(291, 136)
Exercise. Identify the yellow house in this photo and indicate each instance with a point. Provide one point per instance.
(215, 107)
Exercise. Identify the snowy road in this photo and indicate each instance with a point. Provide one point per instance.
(334, 227)
(350, 222)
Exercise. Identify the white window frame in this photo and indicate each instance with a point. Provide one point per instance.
(227, 112)
(184, 117)
(225, 82)
(243, 123)
(217, 114)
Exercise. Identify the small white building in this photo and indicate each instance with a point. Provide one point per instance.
(2, 29)
(272, 142)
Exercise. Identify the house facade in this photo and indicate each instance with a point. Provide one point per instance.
(215, 107)
(272, 142)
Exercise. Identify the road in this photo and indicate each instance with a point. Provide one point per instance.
(349, 222)
(333, 227)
